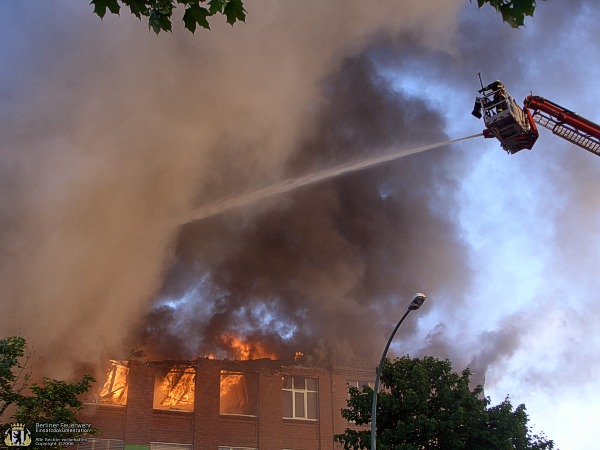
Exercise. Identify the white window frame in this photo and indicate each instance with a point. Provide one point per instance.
(304, 391)
(355, 383)
(358, 384)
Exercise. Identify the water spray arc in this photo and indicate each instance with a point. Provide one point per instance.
(295, 183)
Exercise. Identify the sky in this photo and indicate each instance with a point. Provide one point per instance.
(112, 137)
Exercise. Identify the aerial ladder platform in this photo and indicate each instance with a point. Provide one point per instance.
(515, 127)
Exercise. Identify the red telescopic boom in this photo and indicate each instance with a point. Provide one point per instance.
(565, 123)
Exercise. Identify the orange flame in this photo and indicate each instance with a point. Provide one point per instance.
(176, 391)
(114, 390)
(243, 350)
(230, 382)
(227, 381)
(237, 396)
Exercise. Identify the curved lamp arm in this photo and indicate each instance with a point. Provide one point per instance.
(415, 304)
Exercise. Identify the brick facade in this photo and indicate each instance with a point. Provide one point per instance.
(206, 428)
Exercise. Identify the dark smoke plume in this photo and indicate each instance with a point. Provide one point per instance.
(322, 267)
(110, 136)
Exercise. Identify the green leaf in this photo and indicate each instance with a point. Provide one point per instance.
(160, 17)
(217, 6)
(196, 15)
(234, 10)
(513, 11)
(138, 8)
(101, 5)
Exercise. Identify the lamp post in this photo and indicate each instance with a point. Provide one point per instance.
(416, 303)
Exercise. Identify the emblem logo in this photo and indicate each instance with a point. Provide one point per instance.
(17, 436)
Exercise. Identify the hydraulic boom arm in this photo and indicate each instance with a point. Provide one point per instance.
(516, 128)
(565, 123)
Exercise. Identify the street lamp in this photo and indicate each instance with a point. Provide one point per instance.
(416, 303)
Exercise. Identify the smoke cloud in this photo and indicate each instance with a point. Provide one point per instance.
(110, 136)
(541, 210)
(331, 257)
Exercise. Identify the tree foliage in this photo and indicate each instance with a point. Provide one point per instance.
(513, 12)
(160, 12)
(13, 370)
(425, 405)
(197, 12)
(54, 401)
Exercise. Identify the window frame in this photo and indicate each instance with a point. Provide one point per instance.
(359, 384)
(305, 391)
(159, 395)
(251, 397)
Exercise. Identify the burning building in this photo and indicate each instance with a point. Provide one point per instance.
(220, 404)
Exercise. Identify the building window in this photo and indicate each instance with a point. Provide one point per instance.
(300, 398)
(114, 390)
(239, 393)
(174, 388)
(101, 444)
(169, 446)
(360, 384)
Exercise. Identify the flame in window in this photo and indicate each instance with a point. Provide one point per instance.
(114, 390)
(176, 390)
(238, 394)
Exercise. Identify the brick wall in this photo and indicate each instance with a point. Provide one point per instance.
(270, 410)
(138, 423)
(172, 426)
(206, 409)
(138, 418)
(109, 419)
